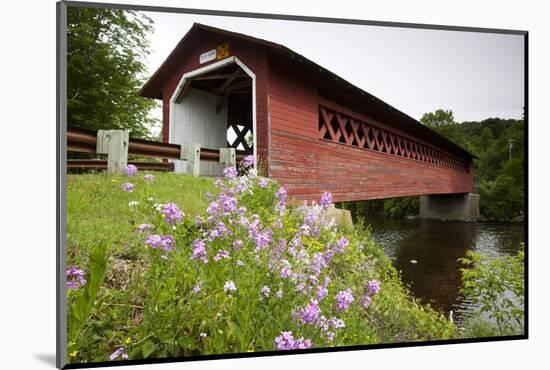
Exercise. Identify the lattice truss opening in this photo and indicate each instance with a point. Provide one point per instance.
(340, 128)
(239, 124)
(239, 137)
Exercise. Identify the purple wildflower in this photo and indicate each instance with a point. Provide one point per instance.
(240, 263)
(172, 213)
(344, 298)
(198, 287)
(302, 343)
(230, 172)
(318, 263)
(311, 217)
(263, 182)
(321, 292)
(373, 287)
(281, 194)
(300, 288)
(149, 177)
(199, 250)
(237, 244)
(366, 301)
(229, 286)
(128, 187)
(221, 254)
(341, 244)
(219, 231)
(75, 277)
(249, 161)
(279, 293)
(228, 204)
(286, 272)
(219, 184)
(326, 200)
(166, 243)
(199, 221)
(213, 208)
(262, 239)
(310, 313)
(337, 323)
(130, 170)
(145, 227)
(153, 241)
(285, 341)
(119, 352)
(265, 291)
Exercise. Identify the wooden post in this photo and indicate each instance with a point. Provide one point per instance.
(114, 143)
(191, 152)
(228, 157)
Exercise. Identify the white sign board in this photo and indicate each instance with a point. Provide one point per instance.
(208, 56)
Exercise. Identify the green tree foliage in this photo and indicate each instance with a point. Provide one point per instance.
(439, 118)
(389, 208)
(106, 49)
(496, 285)
(500, 178)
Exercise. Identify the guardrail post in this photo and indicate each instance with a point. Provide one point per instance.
(191, 152)
(114, 143)
(228, 156)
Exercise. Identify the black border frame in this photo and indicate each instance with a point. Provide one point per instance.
(61, 159)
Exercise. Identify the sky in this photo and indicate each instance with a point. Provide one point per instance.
(476, 75)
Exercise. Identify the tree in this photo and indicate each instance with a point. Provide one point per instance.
(438, 118)
(106, 50)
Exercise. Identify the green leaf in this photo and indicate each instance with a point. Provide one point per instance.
(147, 348)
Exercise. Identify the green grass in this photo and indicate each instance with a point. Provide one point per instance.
(98, 210)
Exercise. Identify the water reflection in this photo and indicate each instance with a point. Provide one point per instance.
(436, 246)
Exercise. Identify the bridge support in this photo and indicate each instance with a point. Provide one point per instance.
(452, 207)
(341, 216)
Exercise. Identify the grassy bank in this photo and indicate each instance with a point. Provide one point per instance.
(267, 271)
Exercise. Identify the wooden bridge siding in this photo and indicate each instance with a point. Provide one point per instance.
(307, 165)
(253, 57)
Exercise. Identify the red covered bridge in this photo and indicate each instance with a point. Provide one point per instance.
(309, 129)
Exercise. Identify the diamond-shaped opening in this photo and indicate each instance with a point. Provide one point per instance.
(231, 136)
(334, 126)
(327, 132)
(349, 131)
(380, 141)
(362, 136)
(342, 138)
(391, 142)
(372, 140)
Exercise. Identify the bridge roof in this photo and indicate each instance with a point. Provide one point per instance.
(357, 100)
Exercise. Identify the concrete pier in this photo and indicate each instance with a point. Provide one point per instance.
(341, 216)
(452, 207)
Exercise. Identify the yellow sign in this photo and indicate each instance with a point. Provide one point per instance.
(222, 51)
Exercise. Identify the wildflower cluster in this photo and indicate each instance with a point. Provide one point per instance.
(240, 257)
(75, 277)
(286, 341)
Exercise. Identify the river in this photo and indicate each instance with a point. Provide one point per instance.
(434, 247)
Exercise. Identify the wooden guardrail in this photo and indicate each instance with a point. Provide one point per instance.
(118, 145)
